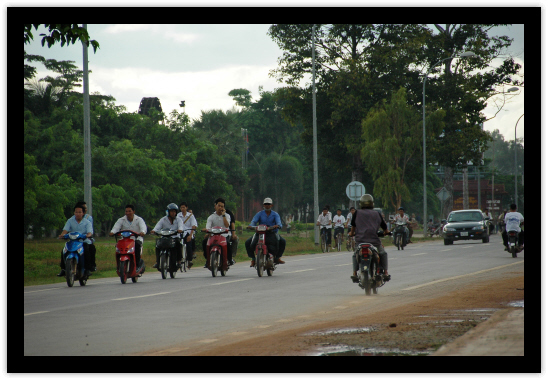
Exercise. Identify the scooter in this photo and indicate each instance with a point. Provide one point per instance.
(399, 232)
(168, 257)
(513, 246)
(370, 273)
(73, 255)
(126, 267)
(216, 255)
(264, 259)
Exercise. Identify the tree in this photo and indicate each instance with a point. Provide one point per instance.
(64, 33)
(393, 135)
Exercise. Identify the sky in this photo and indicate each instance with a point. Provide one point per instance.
(200, 64)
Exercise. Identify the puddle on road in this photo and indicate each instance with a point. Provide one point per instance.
(517, 303)
(343, 350)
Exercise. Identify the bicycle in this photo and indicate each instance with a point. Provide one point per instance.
(350, 244)
(323, 233)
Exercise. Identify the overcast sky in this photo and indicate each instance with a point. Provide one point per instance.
(200, 64)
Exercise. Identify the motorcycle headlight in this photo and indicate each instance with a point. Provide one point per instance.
(261, 228)
(131, 250)
(216, 230)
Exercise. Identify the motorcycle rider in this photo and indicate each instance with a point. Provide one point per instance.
(365, 224)
(234, 240)
(189, 225)
(78, 223)
(92, 250)
(171, 222)
(338, 221)
(324, 220)
(133, 223)
(513, 220)
(220, 218)
(402, 217)
(501, 221)
(274, 242)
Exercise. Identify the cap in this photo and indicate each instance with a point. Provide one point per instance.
(267, 200)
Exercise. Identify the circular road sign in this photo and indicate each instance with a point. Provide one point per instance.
(354, 190)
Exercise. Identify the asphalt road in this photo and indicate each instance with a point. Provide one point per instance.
(108, 318)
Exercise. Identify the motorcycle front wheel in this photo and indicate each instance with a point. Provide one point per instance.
(70, 269)
(513, 251)
(122, 271)
(324, 245)
(260, 262)
(163, 265)
(398, 239)
(214, 263)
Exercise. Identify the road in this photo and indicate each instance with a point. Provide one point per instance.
(108, 318)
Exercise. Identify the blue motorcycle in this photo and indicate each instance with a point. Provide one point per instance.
(73, 255)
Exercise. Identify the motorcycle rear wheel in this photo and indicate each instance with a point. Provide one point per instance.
(70, 269)
(366, 284)
(373, 272)
(339, 242)
(122, 271)
(514, 252)
(260, 262)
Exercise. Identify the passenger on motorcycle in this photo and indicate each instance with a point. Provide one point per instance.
(365, 224)
(513, 220)
(189, 225)
(234, 238)
(324, 220)
(171, 222)
(402, 217)
(78, 223)
(220, 218)
(133, 223)
(338, 222)
(274, 242)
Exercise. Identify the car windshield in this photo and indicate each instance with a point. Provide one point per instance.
(466, 217)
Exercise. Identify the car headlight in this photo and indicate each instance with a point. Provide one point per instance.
(478, 228)
(448, 229)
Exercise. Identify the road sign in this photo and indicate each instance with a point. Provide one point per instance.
(443, 194)
(354, 190)
(493, 201)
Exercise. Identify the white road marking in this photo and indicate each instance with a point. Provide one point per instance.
(38, 312)
(43, 290)
(340, 307)
(342, 265)
(445, 250)
(147, 295)
(418, 254)
(303, 270)
(228, 282)
(464, 275)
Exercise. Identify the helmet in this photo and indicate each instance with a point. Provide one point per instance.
(267, 200)
(366, 201)
(401, 208)
(171, 206)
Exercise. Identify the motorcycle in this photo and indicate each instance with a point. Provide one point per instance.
(370, 273)
(437, 229)
(73, 255)
(168, 256)
(399, 231)
(264, 259)
(217, 250)
(513, 247)
(126, 267)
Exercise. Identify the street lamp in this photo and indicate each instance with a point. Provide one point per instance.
(516, 163)
(466, 54)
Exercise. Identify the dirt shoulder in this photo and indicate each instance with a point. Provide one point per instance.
(399, 324)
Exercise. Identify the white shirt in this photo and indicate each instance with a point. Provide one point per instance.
(137, 225)
(513, 220)
(339, 221)
(166, 223)
(398, 218)
(215, 220)
(188, 221)
(324, 219)
(349, 219)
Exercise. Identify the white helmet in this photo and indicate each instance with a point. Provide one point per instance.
(267, 200)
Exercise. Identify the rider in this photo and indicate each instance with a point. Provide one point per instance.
(513, 220)
(220, 218)
(338, 221)
(274, 242)
(349, 218)
(133, 223)
(93, 266)
(78, 223)
(171, 222)
(234, 240)
(189, 225)
(324, 219)
(402, 217)
(365, 224)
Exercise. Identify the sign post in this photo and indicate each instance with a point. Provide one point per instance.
(442, 195)
(354, 191)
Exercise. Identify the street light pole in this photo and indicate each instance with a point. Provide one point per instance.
(87, 135)
(315, 136)
(463, 55)
(516, 163)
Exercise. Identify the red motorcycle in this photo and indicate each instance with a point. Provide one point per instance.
(264, 259)
(216, 255)
(125, 257)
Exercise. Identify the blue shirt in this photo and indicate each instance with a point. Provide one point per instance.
(269, 220)
(84, 227)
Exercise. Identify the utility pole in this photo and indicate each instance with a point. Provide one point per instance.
(87, 139)
(315, 136)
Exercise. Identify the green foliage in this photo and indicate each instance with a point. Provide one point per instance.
(64, 33)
